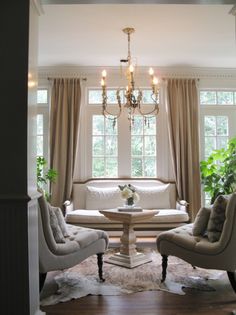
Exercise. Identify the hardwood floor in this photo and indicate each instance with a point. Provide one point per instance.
(150, 303)
(219, 302)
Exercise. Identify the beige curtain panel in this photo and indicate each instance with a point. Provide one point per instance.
(183, 128)
(64, 122)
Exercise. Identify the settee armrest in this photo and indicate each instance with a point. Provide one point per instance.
(68, 206)
(182, 205)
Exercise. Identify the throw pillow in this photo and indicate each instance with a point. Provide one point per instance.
(56, 230)
(154, 197)
(61, 221)
(102, 198)
(217, 218)
(201, 221)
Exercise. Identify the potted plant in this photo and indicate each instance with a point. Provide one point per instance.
(218, 172)
(45, 176)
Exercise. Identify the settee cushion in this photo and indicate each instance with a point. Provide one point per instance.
(164, 216)
(102, 198)
(154, 197)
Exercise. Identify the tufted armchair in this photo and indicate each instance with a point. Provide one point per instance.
(199, 251)
(78, 244)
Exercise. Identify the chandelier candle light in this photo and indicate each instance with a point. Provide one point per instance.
(133, 95)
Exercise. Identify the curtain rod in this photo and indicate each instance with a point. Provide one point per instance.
(83, 79)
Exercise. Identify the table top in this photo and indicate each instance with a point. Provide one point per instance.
(128, 217)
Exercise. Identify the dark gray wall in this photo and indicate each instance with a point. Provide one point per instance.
(14, 26)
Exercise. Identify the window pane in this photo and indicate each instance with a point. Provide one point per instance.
(225, 98)
(207, 199)
(210, 125)
(210, 145)
(111, 167)
(208, 97)
(98, 125)
(222, 125)
(150, 145)
(95, 96)
(137, 145)
(98, 167)
(111, 145)
(110, 129)
(137, 127)
(136, 167)
(221, 142)
(39, 124)
(42, 96)
(150, 126)
(39, 145)
(98, 145)
(111, 97)
(147, 97)
(150, 167)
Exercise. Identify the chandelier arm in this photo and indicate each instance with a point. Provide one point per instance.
(154, 110)
(106, 113)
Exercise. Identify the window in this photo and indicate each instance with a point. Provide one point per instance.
(218, 114)
(117, 151)
(215, 133)
(104, 147)
(42, 123)
(143, 147)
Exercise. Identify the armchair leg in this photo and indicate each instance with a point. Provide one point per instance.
(232, 279)
(164, 267)
(42, 278)
(100, 265)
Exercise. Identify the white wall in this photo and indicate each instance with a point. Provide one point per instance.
(90, 78)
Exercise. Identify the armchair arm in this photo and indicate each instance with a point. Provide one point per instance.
(68, 206)
(182, 205)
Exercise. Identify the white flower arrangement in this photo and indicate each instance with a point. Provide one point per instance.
(128, 192)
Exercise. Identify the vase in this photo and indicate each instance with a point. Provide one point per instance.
(129, 202)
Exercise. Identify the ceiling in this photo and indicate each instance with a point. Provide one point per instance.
(167, 35)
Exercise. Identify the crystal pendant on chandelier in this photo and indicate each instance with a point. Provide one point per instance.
(133, 95)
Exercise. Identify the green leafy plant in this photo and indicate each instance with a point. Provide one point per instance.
(45, 176)
(218, 172)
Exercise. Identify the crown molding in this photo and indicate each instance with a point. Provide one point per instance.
(138, 2)
(175, 72)
(233, 10)
(38, 6)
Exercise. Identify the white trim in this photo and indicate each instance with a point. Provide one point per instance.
(38, 7)
(233, 10)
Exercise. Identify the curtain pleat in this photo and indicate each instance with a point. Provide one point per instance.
(183, 128)
(64, 123)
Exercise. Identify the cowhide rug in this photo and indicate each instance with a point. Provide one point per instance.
(82, 279)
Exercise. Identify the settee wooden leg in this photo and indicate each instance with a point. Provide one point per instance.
(164, 267)
(42, 278)
(100, 265)
(232, 279)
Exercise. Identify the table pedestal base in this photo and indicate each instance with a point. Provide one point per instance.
(128, 261)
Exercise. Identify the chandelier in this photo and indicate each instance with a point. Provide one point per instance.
(133, 95)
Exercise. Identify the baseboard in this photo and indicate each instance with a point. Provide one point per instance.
(39, 312)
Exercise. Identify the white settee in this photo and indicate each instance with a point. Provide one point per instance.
(98, 194)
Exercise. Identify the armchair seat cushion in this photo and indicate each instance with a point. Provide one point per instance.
(84, 236)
